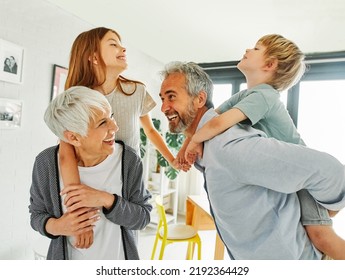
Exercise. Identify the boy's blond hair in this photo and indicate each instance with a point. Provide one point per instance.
(291, 65)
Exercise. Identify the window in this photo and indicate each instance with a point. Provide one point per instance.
(321, 114)
(315, 104)
(221, 92)
(323, 66)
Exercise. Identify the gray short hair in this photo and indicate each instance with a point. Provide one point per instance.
(196, 78)
(73, 109)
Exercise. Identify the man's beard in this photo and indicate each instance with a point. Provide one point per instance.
(185, 120)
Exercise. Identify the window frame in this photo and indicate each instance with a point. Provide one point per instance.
(320, 66)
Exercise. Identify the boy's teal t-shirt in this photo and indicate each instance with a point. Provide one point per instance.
(265, 111)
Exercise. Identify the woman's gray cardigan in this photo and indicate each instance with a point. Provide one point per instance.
(131, 211)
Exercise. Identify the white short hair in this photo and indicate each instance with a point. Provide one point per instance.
(73, 109)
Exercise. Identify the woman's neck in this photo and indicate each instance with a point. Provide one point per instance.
(86, 160)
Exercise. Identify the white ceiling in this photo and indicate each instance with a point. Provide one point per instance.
(216, 30)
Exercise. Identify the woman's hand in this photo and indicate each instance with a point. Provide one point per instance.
(73, 223)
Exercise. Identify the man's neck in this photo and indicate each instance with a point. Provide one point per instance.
(192, 128)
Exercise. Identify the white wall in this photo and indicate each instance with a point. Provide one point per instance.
(46, 33)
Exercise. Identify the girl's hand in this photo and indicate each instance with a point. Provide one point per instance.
(181, 165)
(84, 240)
(180, 162)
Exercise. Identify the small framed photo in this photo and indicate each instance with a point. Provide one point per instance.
(10, 113)
(11, 56)
(59, 80)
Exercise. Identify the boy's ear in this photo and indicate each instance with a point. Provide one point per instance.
(271, 64)
(72, 138)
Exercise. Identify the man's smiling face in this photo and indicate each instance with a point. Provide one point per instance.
(177, 104)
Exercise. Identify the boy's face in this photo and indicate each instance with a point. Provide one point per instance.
(253, 60)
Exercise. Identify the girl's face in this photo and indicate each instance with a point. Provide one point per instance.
(113, 53)
(254, 59)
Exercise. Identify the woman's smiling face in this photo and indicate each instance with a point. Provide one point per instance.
(100, 140)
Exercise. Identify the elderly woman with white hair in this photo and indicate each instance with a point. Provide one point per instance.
(111, 201)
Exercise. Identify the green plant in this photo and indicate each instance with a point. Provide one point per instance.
(174, 142)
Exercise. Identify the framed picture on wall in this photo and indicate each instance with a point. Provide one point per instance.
(11, 56)
(10, 113)
(59, 79)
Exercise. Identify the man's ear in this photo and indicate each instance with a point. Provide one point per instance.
(72, 138)
(201, 99)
